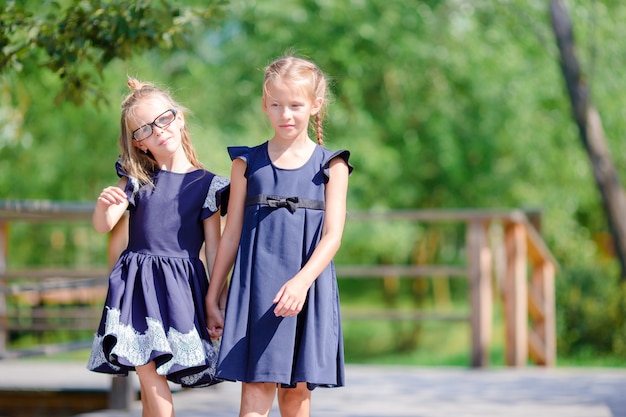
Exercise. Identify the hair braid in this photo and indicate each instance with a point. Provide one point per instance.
(319, 129)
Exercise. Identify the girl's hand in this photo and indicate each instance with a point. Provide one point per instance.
(290, 298)
(111, 196)
(214, 321)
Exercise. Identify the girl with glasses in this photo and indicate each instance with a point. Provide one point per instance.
(154, 316)
(281, 332)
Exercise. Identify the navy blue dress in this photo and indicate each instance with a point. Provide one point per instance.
(282, 226)
(154, 310)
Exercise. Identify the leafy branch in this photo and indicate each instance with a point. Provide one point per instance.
(77, 39)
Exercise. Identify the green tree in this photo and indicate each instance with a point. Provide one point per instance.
(77, 39)
(443, 104)
(62, 64)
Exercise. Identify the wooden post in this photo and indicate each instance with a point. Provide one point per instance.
(4, 244)
(545, 328)
(516, 296)
(479, 261)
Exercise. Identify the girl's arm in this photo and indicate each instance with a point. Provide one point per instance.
(110, 206)
(227, 250)
(212, 236)
(291, 297)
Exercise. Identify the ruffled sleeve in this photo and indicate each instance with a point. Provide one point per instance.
(217, 197)
(240, 152)
(343, 154)
(132, 186)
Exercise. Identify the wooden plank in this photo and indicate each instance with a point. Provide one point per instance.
(538, 252)
(407, 271)
(58, 284)
(45, 210)
(398, 315)
(451, 215)
(535, 304)
(47, 273)
(536, 348)
(46, 313)
(544, 279)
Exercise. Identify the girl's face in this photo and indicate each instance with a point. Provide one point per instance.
(156, 128)
(289, 109)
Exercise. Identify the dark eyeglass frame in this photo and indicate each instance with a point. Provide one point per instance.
(155, 122)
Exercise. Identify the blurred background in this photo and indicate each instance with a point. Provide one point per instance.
(444, 104)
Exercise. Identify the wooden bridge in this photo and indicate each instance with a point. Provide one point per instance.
(505, 257)
(370, 391)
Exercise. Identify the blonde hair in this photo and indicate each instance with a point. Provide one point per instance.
(306, 74)
(134, 161)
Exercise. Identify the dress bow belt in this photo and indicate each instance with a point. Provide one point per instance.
(290, 203)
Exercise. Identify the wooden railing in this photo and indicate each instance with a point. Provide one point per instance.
(519, 261)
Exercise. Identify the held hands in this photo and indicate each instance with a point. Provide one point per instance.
(214, 320)
(290, 298)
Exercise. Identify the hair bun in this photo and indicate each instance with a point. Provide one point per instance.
(135, 85)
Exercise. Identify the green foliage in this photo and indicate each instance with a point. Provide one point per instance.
(590, 318)
(443, 104)
(77, 39)
(380, 342)
(56, 245)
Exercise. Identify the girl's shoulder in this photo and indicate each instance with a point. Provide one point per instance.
(217, 193)
(245, 152)
(329, 155)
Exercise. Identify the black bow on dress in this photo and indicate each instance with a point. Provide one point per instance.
(291, 203)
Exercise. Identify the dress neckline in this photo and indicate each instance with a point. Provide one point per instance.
(267, 152)
(178, 173)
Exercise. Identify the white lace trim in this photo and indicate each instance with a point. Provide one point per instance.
(187, 349)
(97, 358)
(212, 351)
(217, 183)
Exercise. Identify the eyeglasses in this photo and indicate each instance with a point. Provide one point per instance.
(163, 120)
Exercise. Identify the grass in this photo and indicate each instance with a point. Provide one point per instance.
(441, 344)
(423, 343)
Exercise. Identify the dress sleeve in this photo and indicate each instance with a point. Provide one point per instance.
(217, 197)
(343, 154)
(240, 152)
(132, 186)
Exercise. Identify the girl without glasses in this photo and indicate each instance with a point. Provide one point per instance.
(154, 320)
(287, 207)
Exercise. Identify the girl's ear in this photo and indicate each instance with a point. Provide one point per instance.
(181, 117)
(138, 145)
(317, 106)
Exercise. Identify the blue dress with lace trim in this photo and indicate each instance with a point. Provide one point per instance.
(154, 309)
(282, 225)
